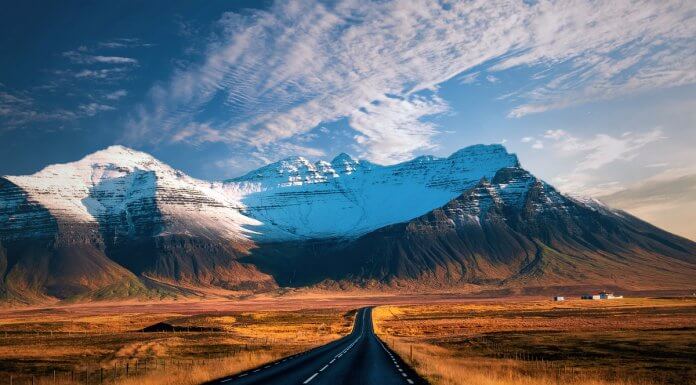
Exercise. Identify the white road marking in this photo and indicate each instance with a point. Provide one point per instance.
(244, 375)
(410, 381)
(332, 361)
(310, 378)
(256, 370)
(229, 379)
(403, 374)
(322, 369)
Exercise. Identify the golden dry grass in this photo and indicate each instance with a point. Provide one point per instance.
(632, 341)
(95, 348)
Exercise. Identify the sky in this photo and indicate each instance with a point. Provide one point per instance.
(596, 98)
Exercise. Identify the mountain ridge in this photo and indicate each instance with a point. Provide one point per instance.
(119, 222)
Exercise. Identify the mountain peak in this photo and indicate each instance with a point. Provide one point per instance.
(476, 211)
(479, 149)
(343, 158)
(344, 163)
(117, 154)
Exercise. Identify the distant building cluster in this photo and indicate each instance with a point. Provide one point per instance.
(599, 296)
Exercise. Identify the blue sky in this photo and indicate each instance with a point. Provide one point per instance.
(593, 97)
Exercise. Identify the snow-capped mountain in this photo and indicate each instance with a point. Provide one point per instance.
(129, 191)
(120, 223)
(111, 217)
(297, 199)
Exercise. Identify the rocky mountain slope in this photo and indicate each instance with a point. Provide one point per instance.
(296, 199)
(115, 216)
(120, 223)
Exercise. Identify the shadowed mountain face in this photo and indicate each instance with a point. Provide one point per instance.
(119, 223)
(42, 256)
(513, 231)
(115, 224)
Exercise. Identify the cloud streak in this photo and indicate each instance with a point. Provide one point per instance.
(595, 153)
(273, 75)
(82, 58)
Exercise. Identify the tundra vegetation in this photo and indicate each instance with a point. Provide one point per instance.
(622, 342)
(59, 346)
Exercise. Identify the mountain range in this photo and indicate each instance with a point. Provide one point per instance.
(119, 224)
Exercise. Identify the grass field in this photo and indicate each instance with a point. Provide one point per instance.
(501, 341)
(84, 348)
(629, 341)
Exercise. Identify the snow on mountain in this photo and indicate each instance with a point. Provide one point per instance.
(119, 217)
(297, 199)
(125, 189)
(131, 193)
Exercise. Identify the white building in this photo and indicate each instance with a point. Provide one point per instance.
(601, 295)
(605, 295)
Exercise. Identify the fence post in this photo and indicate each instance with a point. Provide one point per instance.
(101, 375)
(411, 354)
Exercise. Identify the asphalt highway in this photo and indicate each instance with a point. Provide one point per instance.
(359, 358)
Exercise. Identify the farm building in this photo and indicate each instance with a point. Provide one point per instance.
(601, 295)
(605, 295)
(558, 298)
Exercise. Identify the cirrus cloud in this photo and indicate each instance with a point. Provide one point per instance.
(273, 75)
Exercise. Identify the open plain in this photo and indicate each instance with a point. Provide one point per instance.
(446, 338)
(136, 344)
(625, 341)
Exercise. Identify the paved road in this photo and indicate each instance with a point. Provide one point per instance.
(356, 359)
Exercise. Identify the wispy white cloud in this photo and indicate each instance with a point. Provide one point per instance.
(395, 124)
(103, 73)
(83, 58)
(595, 153)
(492, 79)
(83, 68)
(92, 109)
(199, 133)
(600, 51)
(116, 95)
(124, 43)
(18, 109)
(602, 149)
(283, 71)
(469, 78)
